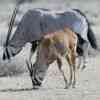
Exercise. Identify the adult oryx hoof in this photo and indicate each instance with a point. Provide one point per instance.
(36, 84)
(83, 67)
(36, 87)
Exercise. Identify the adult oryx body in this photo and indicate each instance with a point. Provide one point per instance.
(39, 22)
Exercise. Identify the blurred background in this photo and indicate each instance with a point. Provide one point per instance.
(17, 64)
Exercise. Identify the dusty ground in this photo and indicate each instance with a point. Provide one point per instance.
(20, 87)
(87, 88)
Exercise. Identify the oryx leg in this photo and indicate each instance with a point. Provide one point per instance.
(85, 48)
(74, 74)
(70, 69)
(82, 56)
(28, 61)
(32, 50)
(59, 53)
(59, 63)
(80, 61)
(40, 66)
(71, 58)
(38, 74)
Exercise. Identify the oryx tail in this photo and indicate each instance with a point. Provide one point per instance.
(90, 34)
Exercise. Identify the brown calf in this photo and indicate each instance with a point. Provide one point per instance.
(53, 47)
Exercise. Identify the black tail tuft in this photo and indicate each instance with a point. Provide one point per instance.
(92, 38)
(90, 35)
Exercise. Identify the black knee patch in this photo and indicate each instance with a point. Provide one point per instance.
(35, 44)
(80, 43)
(79, 51)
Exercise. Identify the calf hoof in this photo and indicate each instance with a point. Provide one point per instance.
(73, 86)
(66, 87)
(78, 67)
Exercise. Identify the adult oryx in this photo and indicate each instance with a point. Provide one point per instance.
(37, 23)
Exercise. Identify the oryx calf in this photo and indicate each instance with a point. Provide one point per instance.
(53, 47)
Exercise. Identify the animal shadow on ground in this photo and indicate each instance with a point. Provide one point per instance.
(16, 90)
